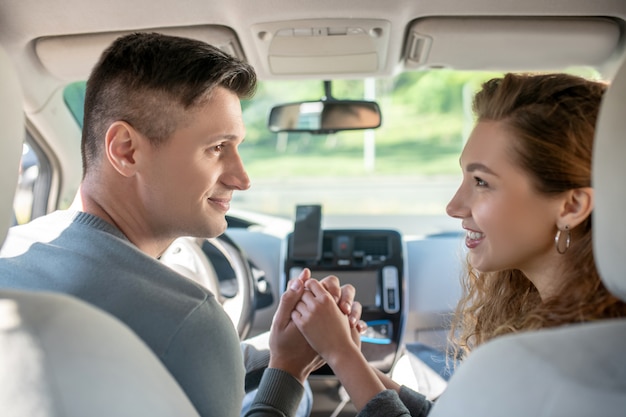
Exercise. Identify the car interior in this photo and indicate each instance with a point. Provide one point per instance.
(62, 357)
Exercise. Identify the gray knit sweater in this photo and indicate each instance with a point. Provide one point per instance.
(182, 322)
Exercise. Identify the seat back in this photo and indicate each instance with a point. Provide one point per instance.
(576, 370)
(609, 170)
(60, 357)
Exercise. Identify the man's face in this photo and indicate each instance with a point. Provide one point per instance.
(189, 182)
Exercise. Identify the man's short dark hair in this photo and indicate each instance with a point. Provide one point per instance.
(148, 79)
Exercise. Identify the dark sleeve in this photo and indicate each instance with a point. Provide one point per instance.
(385, 404)
(389, 404)
(279, 395)
(418, 405)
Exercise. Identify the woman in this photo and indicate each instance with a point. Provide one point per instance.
(525, 201)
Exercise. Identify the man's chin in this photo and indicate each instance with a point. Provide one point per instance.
(216, 229)
(207, 231)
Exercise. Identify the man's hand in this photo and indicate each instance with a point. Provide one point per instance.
(289, 350)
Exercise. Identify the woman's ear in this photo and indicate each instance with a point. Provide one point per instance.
(577, 206)
(120, 147)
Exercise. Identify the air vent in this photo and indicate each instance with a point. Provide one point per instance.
(372, 246)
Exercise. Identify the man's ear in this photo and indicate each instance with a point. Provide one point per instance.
(577, 206)
(120, 147)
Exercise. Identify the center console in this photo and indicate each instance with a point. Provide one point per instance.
(369, 259)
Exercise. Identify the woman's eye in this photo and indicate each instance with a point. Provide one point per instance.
(480, 182)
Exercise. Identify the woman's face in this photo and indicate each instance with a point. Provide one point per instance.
(509, 224)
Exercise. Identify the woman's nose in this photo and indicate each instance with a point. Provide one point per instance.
(456, 207)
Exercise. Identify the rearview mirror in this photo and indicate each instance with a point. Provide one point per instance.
(325, 116)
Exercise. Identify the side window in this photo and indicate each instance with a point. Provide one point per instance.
(33, 187)
(34, 183)
(24, 195)
(74, 96)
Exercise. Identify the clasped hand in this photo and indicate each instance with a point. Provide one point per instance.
(314, 320)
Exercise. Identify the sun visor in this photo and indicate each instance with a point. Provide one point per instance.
(72, 57)
(540, 43)
(324, 46)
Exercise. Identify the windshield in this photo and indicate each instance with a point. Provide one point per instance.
(398, 176)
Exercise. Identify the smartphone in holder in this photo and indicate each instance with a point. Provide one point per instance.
(307, 233)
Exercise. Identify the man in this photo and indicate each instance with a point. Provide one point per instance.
(160, 155)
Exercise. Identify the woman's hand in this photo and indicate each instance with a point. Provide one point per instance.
(344, 297)
(322, 322)
(328, 331)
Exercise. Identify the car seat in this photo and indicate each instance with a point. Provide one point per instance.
(60, 357)
(575, 370)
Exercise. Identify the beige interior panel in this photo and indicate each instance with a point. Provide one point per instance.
(72, 57)
(319, 46)
(540, 43)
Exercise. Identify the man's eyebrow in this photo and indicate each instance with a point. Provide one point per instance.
(226, 137)
(477, 166)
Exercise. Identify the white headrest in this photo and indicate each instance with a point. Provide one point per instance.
(609, 181)
(60, 356)
(11, 138)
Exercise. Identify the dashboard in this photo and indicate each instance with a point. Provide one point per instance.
(373, 262)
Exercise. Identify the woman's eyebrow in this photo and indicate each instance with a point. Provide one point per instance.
(477, 166)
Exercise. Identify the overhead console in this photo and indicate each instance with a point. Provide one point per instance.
(323, 46)
(371, 260)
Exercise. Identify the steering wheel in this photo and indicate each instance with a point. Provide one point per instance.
(220, 266)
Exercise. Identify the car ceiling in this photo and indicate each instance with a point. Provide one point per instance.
(53, 42)
(480, 44)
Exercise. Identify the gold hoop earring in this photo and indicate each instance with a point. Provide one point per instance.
(557, 240)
